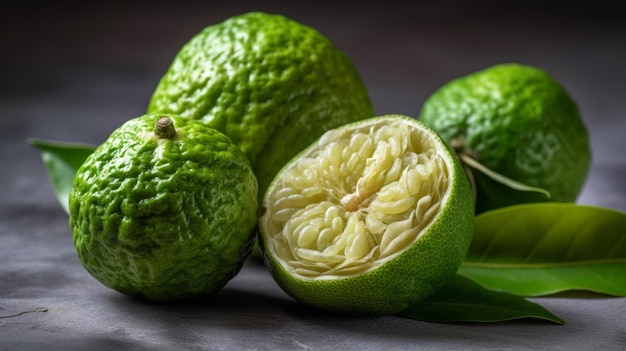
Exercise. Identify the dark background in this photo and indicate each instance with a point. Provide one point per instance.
(76, 70)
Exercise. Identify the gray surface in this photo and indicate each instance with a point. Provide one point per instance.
(75, 73)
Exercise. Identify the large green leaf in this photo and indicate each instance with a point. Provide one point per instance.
(62, 160)
(463, 300)
(545, 248)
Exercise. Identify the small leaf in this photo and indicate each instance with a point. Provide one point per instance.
(463, 300)
(62, 160)
(511, 183)
(545, 248)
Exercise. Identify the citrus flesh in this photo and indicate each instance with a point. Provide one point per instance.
(371, 218)
(517, 121)
(165, 209)
(271, 84)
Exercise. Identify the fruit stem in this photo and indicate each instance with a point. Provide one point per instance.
(513, 184)
(165, 128)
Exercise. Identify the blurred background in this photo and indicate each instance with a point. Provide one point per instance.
(76, 70)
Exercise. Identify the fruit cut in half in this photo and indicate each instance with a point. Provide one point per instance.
(373, 217)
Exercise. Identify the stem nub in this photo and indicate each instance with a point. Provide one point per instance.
(165, 128)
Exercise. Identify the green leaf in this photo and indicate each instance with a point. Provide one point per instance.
(463, 300)
(62, 160)
(506, 181)
(545, 248)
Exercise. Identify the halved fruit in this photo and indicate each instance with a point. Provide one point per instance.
(373, 217)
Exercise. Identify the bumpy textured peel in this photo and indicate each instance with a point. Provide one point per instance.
(160, 218)
(518, 121)
(371, 218)
(269, 83)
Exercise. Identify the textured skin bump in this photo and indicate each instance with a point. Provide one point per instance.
(164, 219)
(518, 121)
(411, 276)
(269, 83)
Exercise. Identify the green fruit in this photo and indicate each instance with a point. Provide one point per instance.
(164, 209)
(269, 83)
(370, 219)
(518, 122)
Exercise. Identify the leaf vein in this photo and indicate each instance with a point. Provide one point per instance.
(526, 265)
